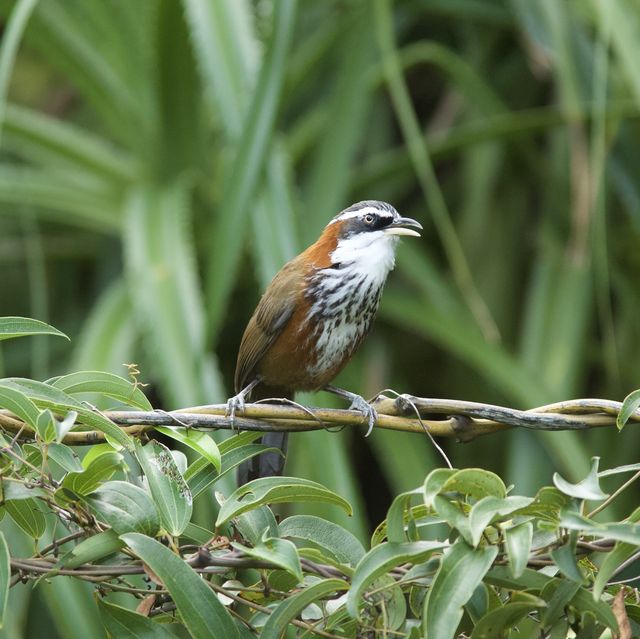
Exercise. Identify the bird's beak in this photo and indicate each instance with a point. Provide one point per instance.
(404, 226)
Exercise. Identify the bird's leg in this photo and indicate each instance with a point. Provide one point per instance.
(357, 403)
(236, 403)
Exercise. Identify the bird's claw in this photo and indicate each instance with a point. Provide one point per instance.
(368, 412)
(235, 403)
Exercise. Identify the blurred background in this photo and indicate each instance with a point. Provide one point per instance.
(161, 159)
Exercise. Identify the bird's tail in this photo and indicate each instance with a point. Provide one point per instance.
(270, 463)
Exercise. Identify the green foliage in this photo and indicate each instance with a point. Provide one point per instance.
(458, 555)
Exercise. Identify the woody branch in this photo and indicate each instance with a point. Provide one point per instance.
(461, 420)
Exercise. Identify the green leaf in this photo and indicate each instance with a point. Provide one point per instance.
(291, 607)
(601, 611)
(630, 405)
(46, 426)
(335, 539)
(126, 508)
(15, 491)
(234, 450)
(558, 593)
(396, 515)
(169, 490)
(46, 396)
(19, 404)
(201, 612)
(98, 470)
(280, 552)
(198, 441)
(626, 468)
(475, 482)
(588, 488)
(566, 560)
(611, 562)
(434, 482)
(20, 326)
(461, 570)
(276, 490)
(65, 457)
(382, 558)
(530, 579)
(106, 384)
(518, 543)
(27, 514)
(494, 624)
(452, 513)
(5, 576)
(253, 524)
(488, 509)
(122, 623)
(628, 532)
(93, 549)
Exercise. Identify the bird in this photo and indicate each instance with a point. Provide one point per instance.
(314, 315)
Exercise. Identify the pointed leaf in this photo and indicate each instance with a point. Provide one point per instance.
(396, 515)
(201, 611)
(630, 405)
(19, 404)
(382, 558)
(122, 623)
(65, 457)
(92, 549)
(106, 384)
(280, 552)
(435, 480)
(342, 544)
(198, 441)
(27, 514)
(291, 607)
(588, 488)
(518, 543)
(628, 532)
(496, 622)
(170, 491)
(126, 508)
(488, 509)
(20, 326)
(460, 572)
(97, 471)
(275, 490)
(475, 482)
(46, 426)
(47, 396)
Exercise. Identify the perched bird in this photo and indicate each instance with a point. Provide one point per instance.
(313, 316)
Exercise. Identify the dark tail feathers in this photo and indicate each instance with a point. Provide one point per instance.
(271, 463)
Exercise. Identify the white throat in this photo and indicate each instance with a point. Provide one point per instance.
(372, 254)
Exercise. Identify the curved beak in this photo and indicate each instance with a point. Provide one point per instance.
(404, 226)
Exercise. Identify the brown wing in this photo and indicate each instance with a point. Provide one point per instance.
(268, 320)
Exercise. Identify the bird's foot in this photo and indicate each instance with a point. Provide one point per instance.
(234, 404)
(357, 403)
(368, 411)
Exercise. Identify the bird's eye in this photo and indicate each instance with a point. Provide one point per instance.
(368, 218)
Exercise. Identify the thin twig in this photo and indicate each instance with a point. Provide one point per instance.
(611, 497)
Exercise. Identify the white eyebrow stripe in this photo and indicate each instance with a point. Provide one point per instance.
(360, 212)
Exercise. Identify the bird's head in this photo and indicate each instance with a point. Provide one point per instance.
(368, 231)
